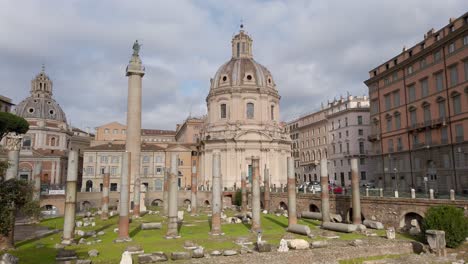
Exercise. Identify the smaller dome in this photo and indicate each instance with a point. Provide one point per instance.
(41, 104)
(40, 107)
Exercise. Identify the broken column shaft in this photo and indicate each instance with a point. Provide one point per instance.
(37, 180)
(324, 195)
(356, 200)
(105, 195)
(194, 190)
(166, 192)
(266, 193)
(136, 197)
(244, 193)
(172, 226)
(256, 225)
(292, 215)
(124, 198)
(216, 196)
(70, 198)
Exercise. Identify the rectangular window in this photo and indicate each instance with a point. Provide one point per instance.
(410, 69)
(399, 144)
(423, 63)
(360, 132)
(113, 187)
(145, 171)
(250, 111)
(395, 76)
(90, 170)
(396, 98)
(465, 66)
(115, 159)
(103, 159)
(272, 112)
(347, 147)
(451, 47)
(397, 121)
(413, 118)
(428, 136)
(459, 133)
(412, 93)
(427, 114)
(90, 158)
(347, 133)
(389, 124)
(465, 40)
(158, 184)
(388, 102)
(453, 75)
(159, 170)
(361, 147)
(390, 145)
(359, 120)
(146, 159)
(439, 80)
(362, 161)
(442, 113)
(113, 171)
(415, 140)
(437, 56)
(424, 88)
(444, 135)
(457, 104)
(223, 110)
(363, 175)
(103, 169)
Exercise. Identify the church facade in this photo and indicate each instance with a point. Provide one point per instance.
(243, 120)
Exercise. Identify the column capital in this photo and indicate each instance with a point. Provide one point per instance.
(13, 142)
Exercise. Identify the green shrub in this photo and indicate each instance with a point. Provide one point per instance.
(449, 219)
(238, 198)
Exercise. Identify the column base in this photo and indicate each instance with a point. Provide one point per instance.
(172, 236)
(216, 233)
(123, 240)
(68, 242)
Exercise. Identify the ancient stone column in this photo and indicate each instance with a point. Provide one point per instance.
(244, 193)
(136, 197)
(194, 190)
(216, 196)
(452, 195)
(292, 215)
(324, 195)
(70, 198)
(166, 192)
(135, 72)
(172, 226)
(105, 194)
(266, 193)
(356, 199)
(13, 145)
(256, 225)
(124, 199)
(37, 180)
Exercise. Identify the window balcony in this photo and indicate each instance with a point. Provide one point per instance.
(434, 123)
(374, 137)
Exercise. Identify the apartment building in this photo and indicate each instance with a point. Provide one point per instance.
(419, 113)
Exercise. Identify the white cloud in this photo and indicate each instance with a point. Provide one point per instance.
(309, 46)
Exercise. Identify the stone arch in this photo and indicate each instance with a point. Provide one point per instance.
(407, 216)
(206, 203)
(349, 216)
(283, 205)
(89, 185)
(314, 208)
(187, 202)
(157, 202)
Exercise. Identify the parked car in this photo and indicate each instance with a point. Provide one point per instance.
(369, 185)
(335, 189)
(315, 186)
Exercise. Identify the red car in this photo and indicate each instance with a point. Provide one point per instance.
(335, 189)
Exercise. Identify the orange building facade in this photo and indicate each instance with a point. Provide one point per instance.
(419, 114)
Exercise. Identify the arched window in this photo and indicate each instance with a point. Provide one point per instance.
(250, 111)
(223, 110)
(308, 156)
(52, 141)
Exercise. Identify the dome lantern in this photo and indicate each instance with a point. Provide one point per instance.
(241, 45)
(41, 85)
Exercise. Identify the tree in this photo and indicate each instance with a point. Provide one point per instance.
(10, 123)
(14, 194)
(449, 219)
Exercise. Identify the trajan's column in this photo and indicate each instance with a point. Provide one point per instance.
(243, 120)
(135, 71)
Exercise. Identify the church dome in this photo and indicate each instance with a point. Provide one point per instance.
(40, 103)
(242, 69)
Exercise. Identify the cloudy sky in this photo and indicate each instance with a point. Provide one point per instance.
(316, 50)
